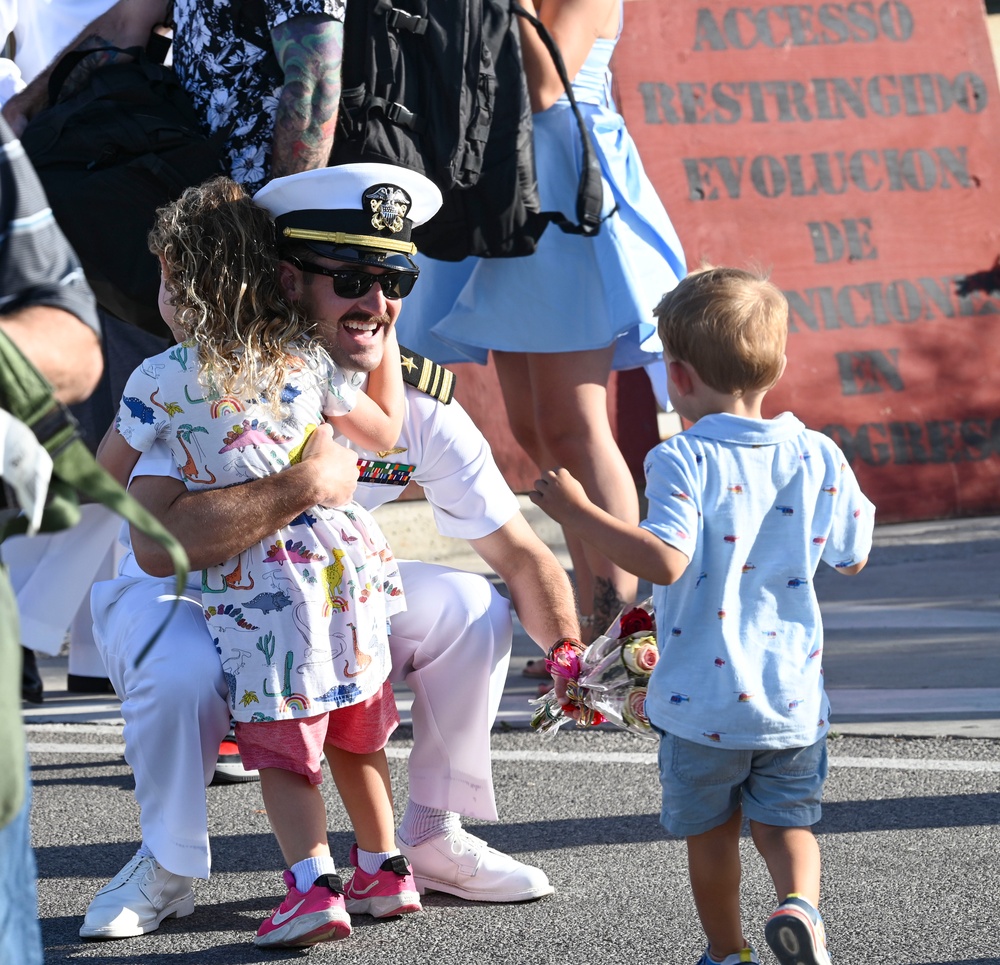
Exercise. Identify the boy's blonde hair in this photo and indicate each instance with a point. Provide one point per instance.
(221, 258)
(730, 325)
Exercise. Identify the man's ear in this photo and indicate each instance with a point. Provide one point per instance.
(289, 279)
(680, 377)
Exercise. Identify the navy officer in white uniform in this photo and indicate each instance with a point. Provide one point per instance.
(346, 260)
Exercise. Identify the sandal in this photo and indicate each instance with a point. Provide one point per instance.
(536, 668)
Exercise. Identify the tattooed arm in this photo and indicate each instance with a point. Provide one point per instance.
(127, 24)
(309, 50)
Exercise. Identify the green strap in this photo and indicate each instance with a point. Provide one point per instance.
(26, 394)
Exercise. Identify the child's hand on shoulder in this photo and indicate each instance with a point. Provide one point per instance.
(558, 494)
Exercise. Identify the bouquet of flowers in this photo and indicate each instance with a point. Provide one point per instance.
(608, 680)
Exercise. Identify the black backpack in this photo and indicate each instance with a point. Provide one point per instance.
(108, 157)
(438, 86)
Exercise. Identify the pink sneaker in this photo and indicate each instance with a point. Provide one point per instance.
(390, 891)
(307, 919)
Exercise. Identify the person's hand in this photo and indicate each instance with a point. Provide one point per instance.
(558, 494)
(561, 686)
(335, 467)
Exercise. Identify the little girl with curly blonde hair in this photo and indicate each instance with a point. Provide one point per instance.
(300, 620)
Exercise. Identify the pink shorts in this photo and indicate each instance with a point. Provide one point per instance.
(297, 745)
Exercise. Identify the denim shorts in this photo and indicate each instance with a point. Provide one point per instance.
(20, 932)
(703, 786)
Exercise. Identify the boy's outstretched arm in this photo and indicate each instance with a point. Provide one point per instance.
(632, 548)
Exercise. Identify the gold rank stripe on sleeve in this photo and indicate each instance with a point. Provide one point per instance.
(427, 376)
(386, 473)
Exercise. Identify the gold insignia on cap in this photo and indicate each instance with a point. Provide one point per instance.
(389, 205)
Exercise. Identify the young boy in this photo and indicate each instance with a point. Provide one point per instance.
(741, 511)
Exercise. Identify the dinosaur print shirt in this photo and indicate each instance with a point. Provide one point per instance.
(300, 619)
(755, 505)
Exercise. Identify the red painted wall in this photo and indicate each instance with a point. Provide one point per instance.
(853, 149)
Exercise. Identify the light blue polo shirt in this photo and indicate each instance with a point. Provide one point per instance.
(755, 505)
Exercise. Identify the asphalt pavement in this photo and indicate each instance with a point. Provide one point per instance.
(909, 837)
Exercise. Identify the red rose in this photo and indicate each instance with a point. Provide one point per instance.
(637, 620)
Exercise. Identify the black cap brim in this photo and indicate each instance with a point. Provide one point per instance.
(357, 255)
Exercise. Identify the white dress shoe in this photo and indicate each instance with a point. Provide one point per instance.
(136, 900)
(461, 864)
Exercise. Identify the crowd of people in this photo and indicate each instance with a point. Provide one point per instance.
(280, 374)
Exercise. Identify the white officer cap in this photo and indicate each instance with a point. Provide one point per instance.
(362, 213)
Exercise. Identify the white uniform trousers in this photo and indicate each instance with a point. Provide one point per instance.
(451, 647)
(176, 711)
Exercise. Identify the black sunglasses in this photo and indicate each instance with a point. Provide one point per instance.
(351, 283)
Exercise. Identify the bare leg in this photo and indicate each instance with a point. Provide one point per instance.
(297, 813)
(567, 425)
(363, 783)
(514, 374)
(792, 858)
(714, 867)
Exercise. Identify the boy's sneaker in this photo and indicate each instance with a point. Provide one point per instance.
(390, 891)
(307, 919)
(746, 955)
(795, 933)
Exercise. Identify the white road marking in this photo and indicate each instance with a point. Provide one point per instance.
(597, 758)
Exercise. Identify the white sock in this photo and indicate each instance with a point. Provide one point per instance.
(370, 861)
(308, 870)
(421, 823)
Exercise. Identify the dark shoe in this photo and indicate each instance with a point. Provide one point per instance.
(31, 680)
(79, 684)
(795, 933)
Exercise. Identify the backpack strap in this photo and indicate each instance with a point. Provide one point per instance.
(590, 193)
(427, 376)
(28, 397)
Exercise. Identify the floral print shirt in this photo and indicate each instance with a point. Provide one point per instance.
(224, 58)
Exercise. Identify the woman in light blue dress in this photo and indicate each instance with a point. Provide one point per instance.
(559, 321)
